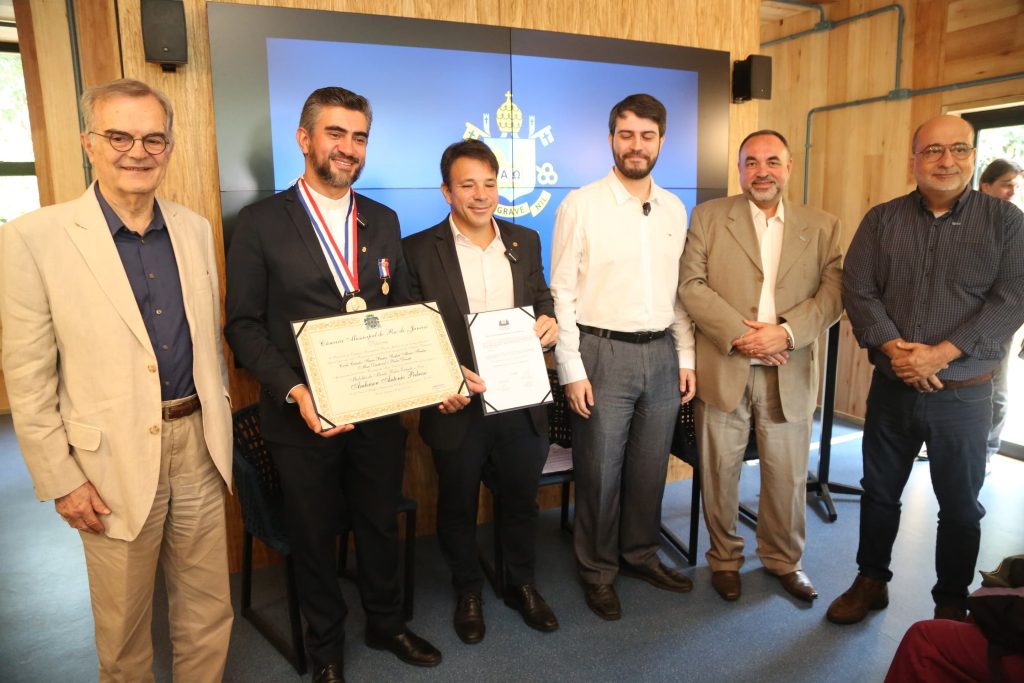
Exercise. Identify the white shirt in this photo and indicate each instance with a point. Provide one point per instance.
(486, 273)
(617, 269)
(769, 237)
(334, 212)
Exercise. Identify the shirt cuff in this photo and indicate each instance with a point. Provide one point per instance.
(571, 371)
(288, 397)
(789, 331)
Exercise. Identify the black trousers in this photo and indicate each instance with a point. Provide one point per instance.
(509, 451)
(358, 476)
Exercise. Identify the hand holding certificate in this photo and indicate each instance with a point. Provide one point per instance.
(509, 358)
(374, 363)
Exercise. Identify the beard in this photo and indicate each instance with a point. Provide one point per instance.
(634, 172)
(339, 179)
(765, 195)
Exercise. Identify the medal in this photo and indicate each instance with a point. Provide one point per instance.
(384, 269)
(342, 260)
(354, 304)
(385, 288)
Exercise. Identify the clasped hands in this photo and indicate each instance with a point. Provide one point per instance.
(545, 327)
(918, 365)
(765, 342)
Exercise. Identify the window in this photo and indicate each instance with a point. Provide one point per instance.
(19, 192)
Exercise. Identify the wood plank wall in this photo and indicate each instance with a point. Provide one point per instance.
(111, 45)
(860, 156)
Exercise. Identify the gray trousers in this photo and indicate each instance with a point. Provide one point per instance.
(620, 453)
(1000, 397)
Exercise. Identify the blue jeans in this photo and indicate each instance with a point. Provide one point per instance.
(954, 424)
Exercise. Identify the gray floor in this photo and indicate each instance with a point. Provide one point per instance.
(45, 621)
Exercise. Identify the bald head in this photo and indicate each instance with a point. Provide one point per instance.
(943, 161)
(940, 121)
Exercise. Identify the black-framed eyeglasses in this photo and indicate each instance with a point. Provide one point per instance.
(959, 150)
(154, 143)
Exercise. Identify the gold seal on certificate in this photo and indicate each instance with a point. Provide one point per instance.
(364, 365)
(509, 359)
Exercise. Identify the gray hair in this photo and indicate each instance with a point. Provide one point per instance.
(123, 87)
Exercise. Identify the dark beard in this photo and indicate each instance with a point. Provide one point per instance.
(324, 172)
(631, 173)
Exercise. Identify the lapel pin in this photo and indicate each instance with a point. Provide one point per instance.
(364, 250)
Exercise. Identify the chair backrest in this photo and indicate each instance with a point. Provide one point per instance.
(257, 481)
(559, 418)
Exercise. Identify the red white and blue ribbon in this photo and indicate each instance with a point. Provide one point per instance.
(384, 268)
(343, 260)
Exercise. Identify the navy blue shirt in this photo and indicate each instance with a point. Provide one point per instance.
(152, 271)
(956, 277)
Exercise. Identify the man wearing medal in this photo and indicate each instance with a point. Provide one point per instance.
(472, 263)
(314, 250)
(624, 354)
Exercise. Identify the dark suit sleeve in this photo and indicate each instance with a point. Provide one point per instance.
(246, 311)
(543, 304)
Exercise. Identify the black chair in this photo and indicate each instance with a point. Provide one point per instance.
(259, 492)
(684, 447)
(557, 472)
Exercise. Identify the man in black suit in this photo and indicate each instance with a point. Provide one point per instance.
(470, 263)
(320, 249)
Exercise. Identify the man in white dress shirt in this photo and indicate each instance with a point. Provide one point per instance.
(625, 354)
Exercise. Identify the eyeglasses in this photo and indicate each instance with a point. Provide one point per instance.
(154, 143)
(959, 150)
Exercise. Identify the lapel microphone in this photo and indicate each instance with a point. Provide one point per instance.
(647, 208)
(510, 256)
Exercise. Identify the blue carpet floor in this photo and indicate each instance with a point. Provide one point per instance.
(46, 624)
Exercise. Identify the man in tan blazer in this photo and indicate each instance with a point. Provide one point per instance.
(760, 278)
(114, 364)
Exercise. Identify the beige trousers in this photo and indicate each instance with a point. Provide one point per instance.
(186, 533)
(782, 446)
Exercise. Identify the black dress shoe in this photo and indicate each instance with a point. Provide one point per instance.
(469, 618)
(329, 673)
(528, 602)
(659, 576)
(602, 599)
(407, 646)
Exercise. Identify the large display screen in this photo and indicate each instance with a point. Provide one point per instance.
(539, 100)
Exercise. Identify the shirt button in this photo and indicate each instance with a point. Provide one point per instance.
(164, 347)
(167, 383)
(151, 276)
(142, 240)
(159, 311)
(151, 367)
(154, 429)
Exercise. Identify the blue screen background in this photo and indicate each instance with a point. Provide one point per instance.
(424, 99)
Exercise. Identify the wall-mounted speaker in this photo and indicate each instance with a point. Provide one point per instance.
(752, 79)
(163, 32)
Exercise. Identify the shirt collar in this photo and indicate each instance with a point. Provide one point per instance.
(114, 222)
(460, 238)
(325, 203)
(756, 211)
(622, 195)
(960, 202)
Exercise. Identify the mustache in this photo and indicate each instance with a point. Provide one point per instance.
(343, 157)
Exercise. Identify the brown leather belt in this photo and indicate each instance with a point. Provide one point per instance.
(631, 337)
(972, 382)
(179, 408)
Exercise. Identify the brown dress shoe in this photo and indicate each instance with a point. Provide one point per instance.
(950, 612)
(602, 599)
(535, 611)
(799, 585)
(863, 596)
(407, 646)
(469, 618)
(329, 673)
(659, 576)
(727, 583)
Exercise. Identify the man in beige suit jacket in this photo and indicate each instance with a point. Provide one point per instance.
(114, 364)
(761, 280)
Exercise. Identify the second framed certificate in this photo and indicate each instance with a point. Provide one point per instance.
(509, 358)
(364, 365)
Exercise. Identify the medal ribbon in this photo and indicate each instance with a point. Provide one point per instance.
(340, 259)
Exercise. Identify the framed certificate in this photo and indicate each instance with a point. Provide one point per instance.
(369, 364)
(509, 359)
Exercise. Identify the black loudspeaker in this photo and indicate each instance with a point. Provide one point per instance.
(163, 32)
(752, 79)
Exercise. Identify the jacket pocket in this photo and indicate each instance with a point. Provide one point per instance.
(83, 436)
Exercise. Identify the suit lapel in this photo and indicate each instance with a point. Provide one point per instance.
(92, 238)
(518, 267)
(794, 241)
(185, 259)
(741, 226)
(445, 245)
(304, 227)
